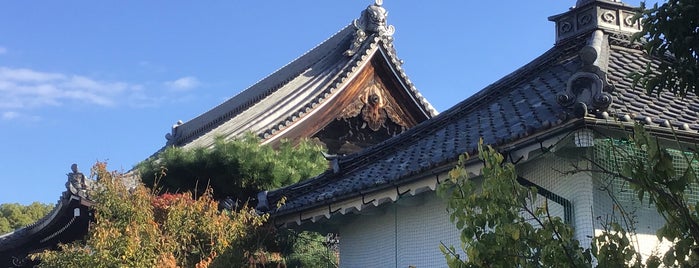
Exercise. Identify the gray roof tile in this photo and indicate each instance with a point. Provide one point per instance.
(288, 94)
(517, 106)
(296, 82)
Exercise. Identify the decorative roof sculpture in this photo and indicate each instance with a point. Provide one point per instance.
(588, 15)
(588, 90)
(371, 21)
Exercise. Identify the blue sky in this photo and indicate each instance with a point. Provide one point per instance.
(82, 81)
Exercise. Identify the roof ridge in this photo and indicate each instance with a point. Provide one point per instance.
(356, 60)
(397, 64)
(297, 58)
(255, 96)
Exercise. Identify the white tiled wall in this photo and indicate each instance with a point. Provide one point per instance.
(403, 236)
(400, 237)
(549, 172)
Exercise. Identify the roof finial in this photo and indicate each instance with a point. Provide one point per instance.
(580, 3)
(371, 21)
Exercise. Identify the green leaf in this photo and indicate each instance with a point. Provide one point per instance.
(669, 258)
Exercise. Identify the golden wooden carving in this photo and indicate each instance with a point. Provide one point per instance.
(375, 105)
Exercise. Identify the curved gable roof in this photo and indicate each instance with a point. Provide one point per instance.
(293, 91)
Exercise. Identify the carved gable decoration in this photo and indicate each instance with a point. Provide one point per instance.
(375, 105)
(369, 115)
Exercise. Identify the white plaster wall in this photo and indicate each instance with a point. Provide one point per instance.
(410, 235)
(420, 232)
(404, 235)
(369, 241)
(549, 172)
(614, 197)
(591, 202)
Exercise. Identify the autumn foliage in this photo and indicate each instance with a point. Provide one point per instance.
(134, 228)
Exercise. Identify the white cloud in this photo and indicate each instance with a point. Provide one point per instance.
(9, 115)
(184, 83)
(27, 75)
(151, 66)
(22, 90)
(26, 88)
(3, 50)
(16, 116)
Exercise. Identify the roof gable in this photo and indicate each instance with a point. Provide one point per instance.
(274, 106)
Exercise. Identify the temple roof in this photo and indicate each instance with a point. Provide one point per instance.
(580, 82)
(68, 221)
(287, 96)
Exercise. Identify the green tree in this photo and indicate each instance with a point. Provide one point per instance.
(499, 211)
(134, 228)
(238, 168)
(307, 249)
(662, 176)
(671, 32)
(14, 215)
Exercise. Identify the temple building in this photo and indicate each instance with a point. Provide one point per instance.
(393, 149)
(348, 93)
(554, 113)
